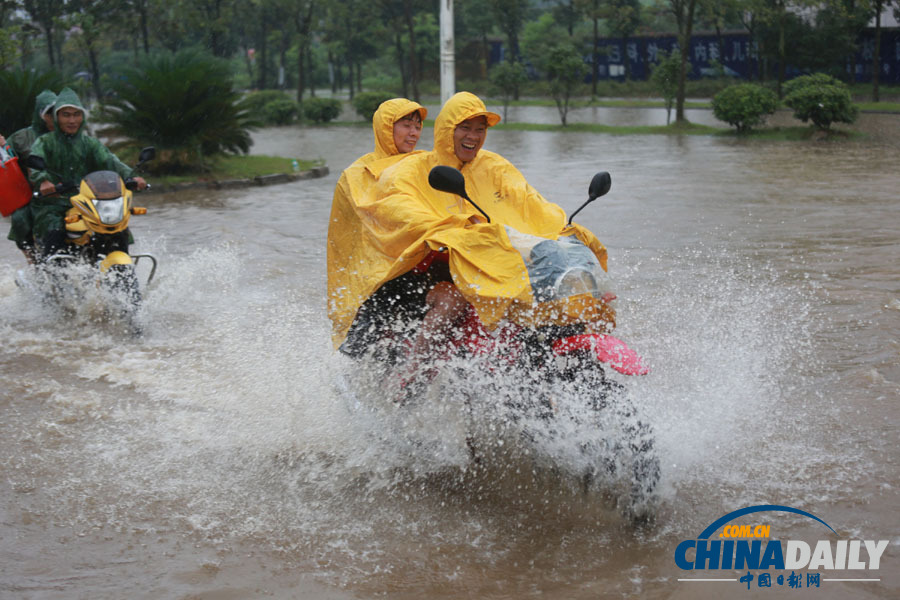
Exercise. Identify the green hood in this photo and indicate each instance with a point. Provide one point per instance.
(43, 100)
(68, 97)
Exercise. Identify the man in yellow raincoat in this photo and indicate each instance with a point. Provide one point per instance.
(406, 220)
(397, 125)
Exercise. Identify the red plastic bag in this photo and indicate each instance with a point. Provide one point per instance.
(15, 191)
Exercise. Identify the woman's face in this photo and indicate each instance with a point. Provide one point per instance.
(407, 131)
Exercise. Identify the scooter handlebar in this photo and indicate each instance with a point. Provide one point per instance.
(57, 189)
(132, 184)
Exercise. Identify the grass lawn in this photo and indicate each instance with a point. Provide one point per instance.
(238, 167)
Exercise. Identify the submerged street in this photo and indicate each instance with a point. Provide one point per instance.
(216, 458)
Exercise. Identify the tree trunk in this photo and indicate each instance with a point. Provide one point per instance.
(310, 79)
(95, 72)
(782, 55)
(413, 68)
(876, 58)
(301, 71)
(145, 32)
(595, 59)
(350, 77)
(50, 53)
(404, 79)
(359, 76)
(263, 56)
(626, 59)
(686, 26)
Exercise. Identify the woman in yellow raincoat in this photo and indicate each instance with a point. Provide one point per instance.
(397, 125)
(407, 219)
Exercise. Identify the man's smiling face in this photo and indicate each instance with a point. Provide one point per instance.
(468, 137)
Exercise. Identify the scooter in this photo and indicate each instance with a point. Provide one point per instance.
(96, 237)
(542, 373)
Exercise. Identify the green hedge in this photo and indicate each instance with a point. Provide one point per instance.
(821, 99)
(744, 105)
(366, 103)
(321, 110)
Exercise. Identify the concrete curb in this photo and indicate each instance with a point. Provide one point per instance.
(230, 184)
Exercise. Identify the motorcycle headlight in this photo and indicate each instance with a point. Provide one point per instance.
(111, 211)
(574, 282)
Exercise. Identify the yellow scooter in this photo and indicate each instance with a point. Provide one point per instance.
(97, 235)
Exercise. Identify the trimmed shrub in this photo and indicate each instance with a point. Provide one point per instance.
(821, 99)
(366, 103)
(792, 85)
(744, 105)
(280, 112)
(256, 101)
(321, 110)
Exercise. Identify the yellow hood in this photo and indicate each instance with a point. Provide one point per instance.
(460, 106)
(388, 113)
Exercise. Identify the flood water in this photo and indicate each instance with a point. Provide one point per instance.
(216, 458)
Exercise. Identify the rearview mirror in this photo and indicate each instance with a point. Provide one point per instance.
(147, 154)
(448, 179)
(599, 186)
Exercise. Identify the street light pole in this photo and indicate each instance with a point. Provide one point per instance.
(448, 66)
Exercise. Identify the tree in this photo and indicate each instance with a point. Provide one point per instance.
(304, 13)
(664, 78)
(593, 9)
(623, 18)
(9, 52)
(511, 16)
(349, 31)
(45, 13)
(508, 77)
(566, 13)
(878, 7)
(718, 15)
(684, 18)
(565, 71)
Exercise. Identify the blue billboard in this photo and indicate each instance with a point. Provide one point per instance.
(735, 54)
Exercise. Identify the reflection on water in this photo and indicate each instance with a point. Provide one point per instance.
(215, 457)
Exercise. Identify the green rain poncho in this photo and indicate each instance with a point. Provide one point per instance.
(21, 143)
(69, 158)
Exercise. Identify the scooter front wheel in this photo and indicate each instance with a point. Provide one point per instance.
(122, 283)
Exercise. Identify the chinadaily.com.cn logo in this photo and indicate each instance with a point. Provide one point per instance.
(764, 562)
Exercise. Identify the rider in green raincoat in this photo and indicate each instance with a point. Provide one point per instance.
(69, 155)
(21, 142)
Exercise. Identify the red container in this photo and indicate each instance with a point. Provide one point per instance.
(15, 191)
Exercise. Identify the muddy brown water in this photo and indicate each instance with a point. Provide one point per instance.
(216, 458)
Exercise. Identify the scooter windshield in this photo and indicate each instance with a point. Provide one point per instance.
(106, 185)
(558, 268)
(108, 200)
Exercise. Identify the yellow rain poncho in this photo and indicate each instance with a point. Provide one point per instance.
(406, 219)
(350, 274)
